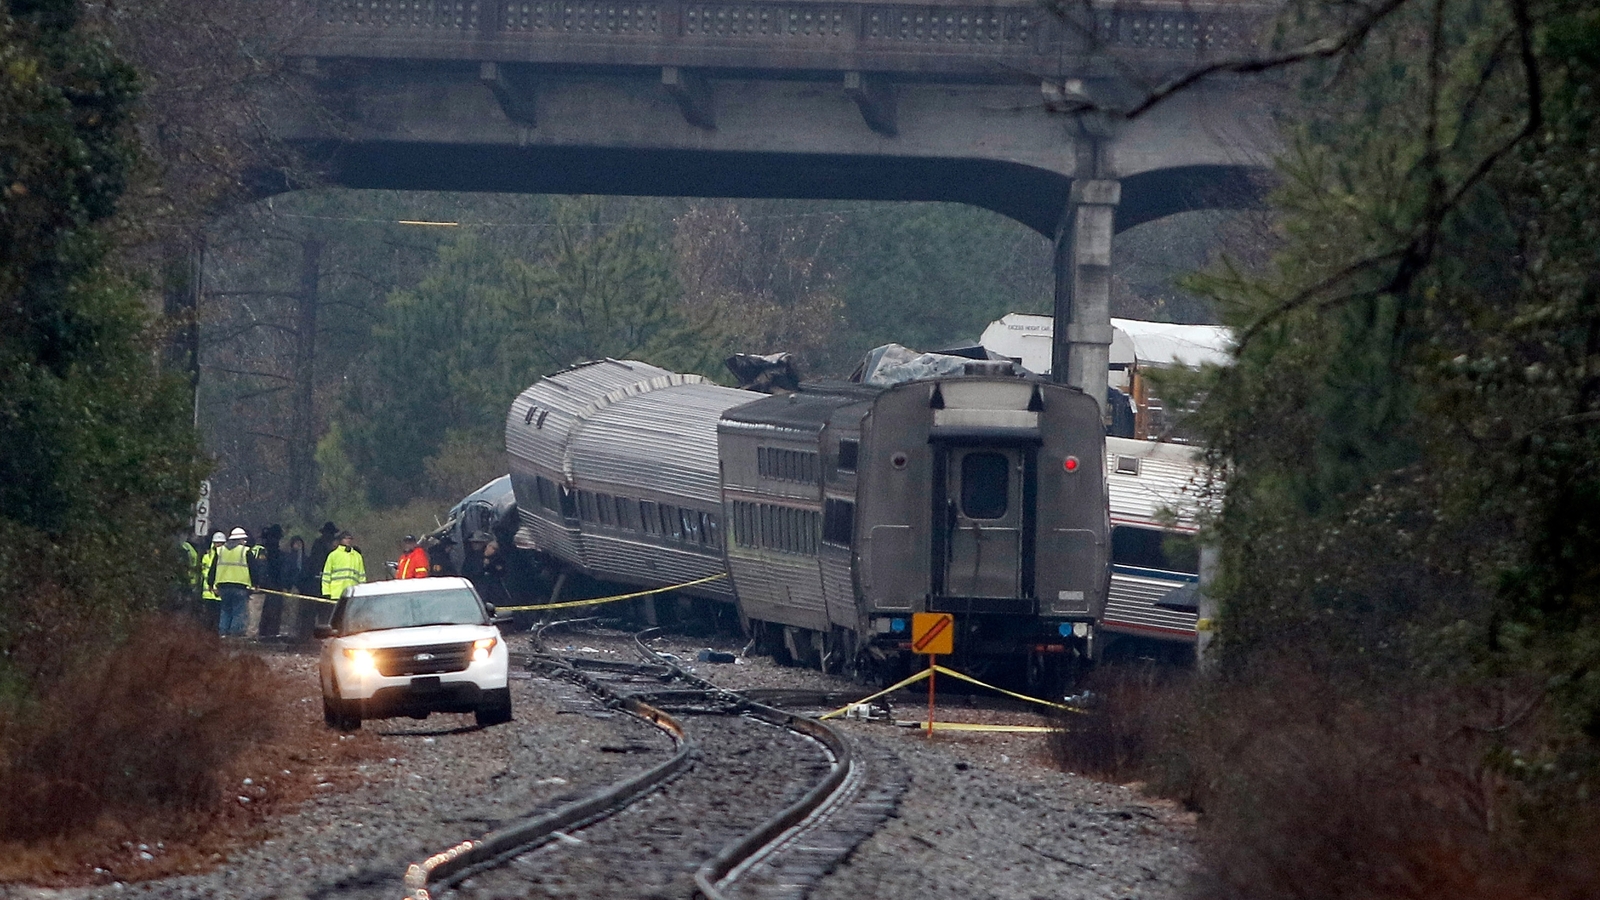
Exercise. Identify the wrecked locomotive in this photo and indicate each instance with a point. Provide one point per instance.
(833, 512)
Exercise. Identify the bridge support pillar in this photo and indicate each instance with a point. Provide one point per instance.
(1081, 347)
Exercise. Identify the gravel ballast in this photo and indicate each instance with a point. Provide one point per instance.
(985, 815)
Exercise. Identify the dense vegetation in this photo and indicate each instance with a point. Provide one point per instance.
(1407, 699)
(97, 456)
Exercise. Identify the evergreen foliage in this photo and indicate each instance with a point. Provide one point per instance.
(97, 459)
(1410, 429)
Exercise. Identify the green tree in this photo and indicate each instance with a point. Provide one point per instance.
(603, 288)
(97, 460)
(1412, 427)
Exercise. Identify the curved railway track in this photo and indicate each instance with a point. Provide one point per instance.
(755, 802)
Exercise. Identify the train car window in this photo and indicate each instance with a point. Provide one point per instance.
(605, 510)
(649, 518)
(985, 485)
(547, 494)
(744, 527)
(671, 526)
(838, 522)
(691, 525)
(1151, 548)
(848, 452)
(713, 531)
(786, 465)
(569, 504)
(585, 506)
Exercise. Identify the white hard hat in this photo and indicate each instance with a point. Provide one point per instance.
(218, 538)
(238, 534)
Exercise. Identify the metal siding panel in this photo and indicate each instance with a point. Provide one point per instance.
(781, 588)
(1171, 478)
(662, 442)
(838, 587)
(539, 532)
(616, 557)
(1131, 610)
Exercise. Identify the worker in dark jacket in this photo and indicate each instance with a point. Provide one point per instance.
(310, 582)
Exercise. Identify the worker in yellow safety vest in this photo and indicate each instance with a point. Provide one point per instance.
(230, 578)
(208, 593)
(207, 590)
(344, 569)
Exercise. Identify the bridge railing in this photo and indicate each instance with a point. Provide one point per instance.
(936, 37)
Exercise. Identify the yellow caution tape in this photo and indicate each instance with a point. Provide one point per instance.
(953, 673)
(566, 603)
(888, 690)
(970, 680)
(292, 594)
(598, 600)
(974, 726)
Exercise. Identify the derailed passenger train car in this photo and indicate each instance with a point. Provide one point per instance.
(1159, 494)
(614, 464)
(985, 497)
(837, 511)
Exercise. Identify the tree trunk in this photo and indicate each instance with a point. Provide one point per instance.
(180, 294)
(303, 442)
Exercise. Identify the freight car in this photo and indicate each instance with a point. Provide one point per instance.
(836, 511)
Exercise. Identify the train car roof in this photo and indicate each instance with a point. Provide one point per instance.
(806, 411)
(662, 440)
(1155, 484)
(541, 420)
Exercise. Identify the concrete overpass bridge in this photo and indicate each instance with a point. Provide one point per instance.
(998, 105)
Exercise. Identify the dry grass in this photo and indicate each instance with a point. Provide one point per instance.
(1314, 789)
(135, 765)
(1126, 724)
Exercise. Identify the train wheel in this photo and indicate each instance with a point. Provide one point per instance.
(769, 641)
(802, 646)
(1046, 675)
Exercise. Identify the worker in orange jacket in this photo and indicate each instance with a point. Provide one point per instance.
(413, 559)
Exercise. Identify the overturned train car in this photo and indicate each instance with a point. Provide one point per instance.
(835, 512)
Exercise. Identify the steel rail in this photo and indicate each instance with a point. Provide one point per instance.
(462, 860)
(722, 870)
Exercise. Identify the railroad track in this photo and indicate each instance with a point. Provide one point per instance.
(755, 802)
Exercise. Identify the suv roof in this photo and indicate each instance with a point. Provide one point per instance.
(407, 586)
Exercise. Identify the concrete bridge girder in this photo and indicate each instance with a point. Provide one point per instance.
(494, 126)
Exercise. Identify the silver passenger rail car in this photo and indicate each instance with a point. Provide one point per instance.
(789, 495)
(1157, 496)
(984, 497)
(614, 464)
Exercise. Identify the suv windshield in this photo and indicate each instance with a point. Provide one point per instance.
(456, 606)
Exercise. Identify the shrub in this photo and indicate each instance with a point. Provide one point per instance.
(1127, 725)
(1314, 786)
(147, 730)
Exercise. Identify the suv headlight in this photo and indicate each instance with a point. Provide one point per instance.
(481, 649)
(361, 661)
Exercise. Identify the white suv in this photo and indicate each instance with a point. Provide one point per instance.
(410, 648)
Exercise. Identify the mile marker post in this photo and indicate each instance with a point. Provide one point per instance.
(933, 634)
